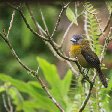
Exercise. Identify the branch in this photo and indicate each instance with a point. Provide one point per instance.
(49, 39)
(65, 34)
(38, 27)
(107, 24)
(8, 105)
(11, 22)
(29, 27)
(5, 104)
(87, 98)
(43, 19)
(71, 67)
(102, 32)
(49, 95)
(88, 95)
(35, 74)
(59, 18)
(14, 53)
(26, 22)
(107, 40)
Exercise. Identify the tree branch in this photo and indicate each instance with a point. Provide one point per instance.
(71, 67)
(88, 95)
(59, 18)
(65, 34)
(38, 27)
(43, 19)
(11, 22)
(26, 22)
(35, 74)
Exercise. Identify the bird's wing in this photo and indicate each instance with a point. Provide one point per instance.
(90, 57)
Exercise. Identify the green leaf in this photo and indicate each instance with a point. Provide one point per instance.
(109, 5)
(17, 98)
(71, 16)
(2, 88)
(50, 73)
(52, 77)
(33, 92)
(67, 82)
(89, 7)
(93, 29)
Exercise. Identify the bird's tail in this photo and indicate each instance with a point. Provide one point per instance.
(102, 77)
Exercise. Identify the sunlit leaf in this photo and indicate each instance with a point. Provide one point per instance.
(71, 16)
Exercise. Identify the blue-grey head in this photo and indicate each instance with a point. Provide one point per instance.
(76, 39)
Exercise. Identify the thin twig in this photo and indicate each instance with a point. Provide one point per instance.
(107, 40)
(59, 18)
(33, 72)
(86, 100)
(29, 27)
(65, 34)
(49, 95)
(38, 27)
(67, 30)
(5, 104)
(8, 105)
(102, 32)
(107, 24)
(43, 19)
(26, 22)
(9, 101)
(11, 22)
(88, 95)
(72, 68)
(53, 46)
(14, 53)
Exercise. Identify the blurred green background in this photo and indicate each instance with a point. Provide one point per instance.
(28, 47)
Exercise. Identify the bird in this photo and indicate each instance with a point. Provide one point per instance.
(80, 49)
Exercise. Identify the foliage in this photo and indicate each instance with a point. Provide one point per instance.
(32, 90)
(30, 97)
(93, 29)
(109, 6)
(71, 16)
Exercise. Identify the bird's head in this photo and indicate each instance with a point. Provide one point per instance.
(76, 39)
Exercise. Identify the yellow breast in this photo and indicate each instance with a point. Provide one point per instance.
(75, 52)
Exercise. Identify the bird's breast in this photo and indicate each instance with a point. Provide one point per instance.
(75, 52)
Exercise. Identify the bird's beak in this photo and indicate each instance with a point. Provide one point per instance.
(73, 40)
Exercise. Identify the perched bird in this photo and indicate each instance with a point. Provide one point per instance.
(81, 50)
